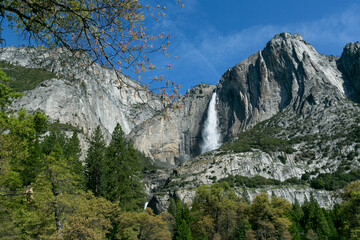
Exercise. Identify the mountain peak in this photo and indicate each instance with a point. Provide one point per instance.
(288, 73)
(286, 35)
(290, 44)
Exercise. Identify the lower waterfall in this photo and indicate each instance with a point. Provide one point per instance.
(145, 206)
(210, 133)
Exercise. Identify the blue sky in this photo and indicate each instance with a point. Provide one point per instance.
(210, 36)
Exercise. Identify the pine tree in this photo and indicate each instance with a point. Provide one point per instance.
(95, 162)
(72, 147)
(350, 211)
(314, 219)
(297, 214)
(183, 231)
(121, 180)
(33, 163)
(182, 217)
(72, 152)
(55, 136)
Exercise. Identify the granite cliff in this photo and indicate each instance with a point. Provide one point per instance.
(178, 137)
(290, 115)
(287, 75)
(82, 95)
(287, 114)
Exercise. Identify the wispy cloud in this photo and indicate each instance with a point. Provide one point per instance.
(340, 28)
(205, 54)
(335, 30)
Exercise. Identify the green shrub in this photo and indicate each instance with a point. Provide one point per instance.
(24, 79)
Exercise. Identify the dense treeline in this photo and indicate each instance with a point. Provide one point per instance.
(218, 213)
(327, 181)
(47, 193)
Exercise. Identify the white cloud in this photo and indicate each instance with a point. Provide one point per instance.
(206, 55)
(335, 30)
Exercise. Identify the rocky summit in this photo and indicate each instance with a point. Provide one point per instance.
(289, 119)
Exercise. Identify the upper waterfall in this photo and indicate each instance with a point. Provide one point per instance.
(210, 133)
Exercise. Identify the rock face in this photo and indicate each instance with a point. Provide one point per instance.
(287, 73)
(297, 97)
(349, 65)
(326, 199)
(176, 138)
(305, 103)
(83, 96)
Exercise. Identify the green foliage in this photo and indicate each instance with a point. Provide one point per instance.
(269, 219)
(62, 127)
(251, 182)
(258, 181)
(260, 137)
(121, 177)
(326, 181)
(7, 95)
(181, 214)
(55, 137)
(19, 133)
(218, 212)
(42, 196)
(334, 181)
(72, 151)
(143, 225)
(314, 222)
(95, 162)
(23, 79)
(350, 211)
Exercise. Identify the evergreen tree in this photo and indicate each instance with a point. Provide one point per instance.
(338, 217)
(55, 137)
(183, 219)
(183, 231)
(351, 211)
(121, 180)
(72, 151)
(297, 214)
(314, 220)
(72, 147)
(33, 163)
(95, 162)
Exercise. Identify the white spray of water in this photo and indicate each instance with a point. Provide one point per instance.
(210, 133)
(145, 206)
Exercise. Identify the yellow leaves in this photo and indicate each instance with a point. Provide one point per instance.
(105, 30)
(350, 189)
(143, 225)
(123, 48)
(90, 217)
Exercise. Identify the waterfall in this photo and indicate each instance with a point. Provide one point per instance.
(145, 206)
(210, 133)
